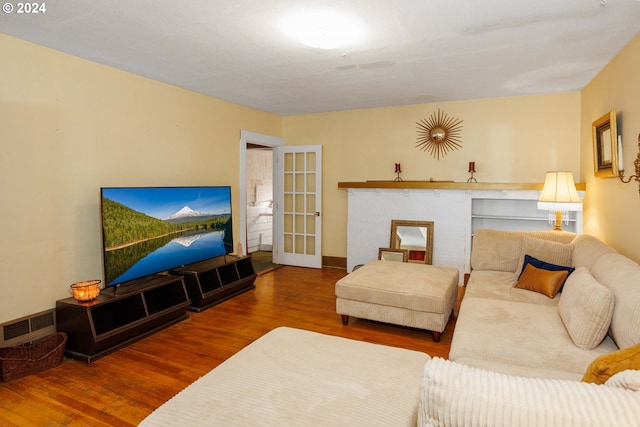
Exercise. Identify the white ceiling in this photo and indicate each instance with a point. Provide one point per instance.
(414, 51)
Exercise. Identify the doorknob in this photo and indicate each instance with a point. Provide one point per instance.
(317, 213)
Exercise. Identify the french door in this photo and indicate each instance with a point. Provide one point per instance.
(298, 205)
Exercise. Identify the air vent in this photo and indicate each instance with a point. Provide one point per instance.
(42, 321)
(28, 329)
(16, 329)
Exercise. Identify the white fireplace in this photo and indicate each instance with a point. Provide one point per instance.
(456, 213)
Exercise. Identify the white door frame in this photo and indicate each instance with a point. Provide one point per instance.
(247, 137)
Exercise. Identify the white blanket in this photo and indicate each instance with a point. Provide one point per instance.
(291, 377)
(455, 395)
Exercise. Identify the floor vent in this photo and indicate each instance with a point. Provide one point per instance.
(27, 329)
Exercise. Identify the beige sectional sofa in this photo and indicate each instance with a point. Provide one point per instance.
(518, 356)
(518, 331)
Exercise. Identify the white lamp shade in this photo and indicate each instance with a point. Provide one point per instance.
(559, 193)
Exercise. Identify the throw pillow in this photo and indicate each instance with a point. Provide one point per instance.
(545, 250)
(586, 307)
(528, 259)
(628, 379)
(604, 367)
(542, 281)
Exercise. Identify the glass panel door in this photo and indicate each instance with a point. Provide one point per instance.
(299, 205)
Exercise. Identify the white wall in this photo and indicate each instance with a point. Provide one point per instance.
(371, 211)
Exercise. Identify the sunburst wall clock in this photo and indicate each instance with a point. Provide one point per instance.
(438, 134)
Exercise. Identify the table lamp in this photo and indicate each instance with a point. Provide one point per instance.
(559, 195)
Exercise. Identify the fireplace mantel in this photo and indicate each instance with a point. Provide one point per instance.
(448, 185)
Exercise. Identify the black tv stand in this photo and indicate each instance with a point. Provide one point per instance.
(215, 280)
(136, 285)
(110, 322)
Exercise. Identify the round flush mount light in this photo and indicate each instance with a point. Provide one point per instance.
(323, 30)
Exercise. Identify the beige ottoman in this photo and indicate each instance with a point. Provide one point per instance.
(408, 294)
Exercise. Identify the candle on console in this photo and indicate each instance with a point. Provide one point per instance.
(398, 168)
(472, 166)
(620, 159)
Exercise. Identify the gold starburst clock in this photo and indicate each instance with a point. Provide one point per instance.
(438, 134)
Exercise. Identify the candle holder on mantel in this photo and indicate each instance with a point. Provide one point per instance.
(472, 170)
(398, 172)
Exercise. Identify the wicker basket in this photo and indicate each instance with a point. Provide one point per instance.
(16, 362)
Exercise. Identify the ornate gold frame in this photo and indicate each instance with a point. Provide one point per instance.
(605, 146)
(396, 243)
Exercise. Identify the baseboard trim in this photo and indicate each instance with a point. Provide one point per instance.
(334, 262)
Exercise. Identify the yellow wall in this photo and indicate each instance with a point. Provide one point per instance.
(69, 126)
(611, 208)
(511, 140)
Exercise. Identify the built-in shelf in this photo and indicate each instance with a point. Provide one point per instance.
(513, 210)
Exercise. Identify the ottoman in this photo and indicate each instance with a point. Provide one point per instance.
(407, 294)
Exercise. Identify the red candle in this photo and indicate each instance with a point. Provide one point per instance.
(398, 170)
(472, 166)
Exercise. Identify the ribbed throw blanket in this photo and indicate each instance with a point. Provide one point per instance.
(455, 395)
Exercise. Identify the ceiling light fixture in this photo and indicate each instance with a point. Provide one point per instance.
(323, 30)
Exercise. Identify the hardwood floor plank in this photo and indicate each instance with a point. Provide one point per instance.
(124, 387)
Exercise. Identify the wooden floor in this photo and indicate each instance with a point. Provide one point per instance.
(124, 387)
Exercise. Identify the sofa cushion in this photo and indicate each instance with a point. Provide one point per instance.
(622, 276)
(605, 366)
(545, 250)
(453, 395)
(545, 282)
(587, 249)
(518, 337)
(585, 308)
(499, 250)
(629, 379)
(501, 285)
(495, 250)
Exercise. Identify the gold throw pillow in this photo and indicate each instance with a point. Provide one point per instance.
(542, 281)
(604, 367)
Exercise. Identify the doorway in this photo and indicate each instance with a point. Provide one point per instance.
(257, 198)
(296, 199)
(259, 207)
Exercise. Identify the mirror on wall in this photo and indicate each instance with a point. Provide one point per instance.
(416, 237)
(605, 146)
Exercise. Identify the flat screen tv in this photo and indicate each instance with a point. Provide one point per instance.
(149, 230)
